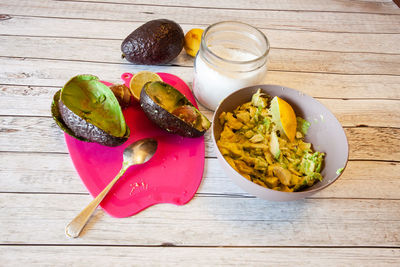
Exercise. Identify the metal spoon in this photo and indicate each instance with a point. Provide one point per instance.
(136, 153)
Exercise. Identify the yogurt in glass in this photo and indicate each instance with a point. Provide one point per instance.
(232, 55)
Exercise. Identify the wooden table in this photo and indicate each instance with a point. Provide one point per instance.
(344, 53)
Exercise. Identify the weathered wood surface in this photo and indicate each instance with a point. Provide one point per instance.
(207, 221)
(363, 6)
(38, 134)
(345, 54)
(111, 30)
(190, 256)
(276, 19)
(27, 73)
(108, 51)
(54, 173)
(34, 101)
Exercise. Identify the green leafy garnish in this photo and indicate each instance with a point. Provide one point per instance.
(339, 171)
(302, 125)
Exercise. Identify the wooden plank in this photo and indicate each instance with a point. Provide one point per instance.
(26, 100)
(308, 21)
(362, 147)
(185, 256)
(206, 221)
(117, 30)
(54, 173)
(376, 113)
(35, 101)
(279, 59)
(334, 85)
(314, 84)
(40, 134)
(333, 62)
(354, 221)
(55, 73)
(386, 7)
(42, 172)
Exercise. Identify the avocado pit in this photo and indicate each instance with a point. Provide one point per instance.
(186, 113)
(172, 111)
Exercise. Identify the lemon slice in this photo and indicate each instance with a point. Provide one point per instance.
(284, 117)
(139, 80)
(192, 41)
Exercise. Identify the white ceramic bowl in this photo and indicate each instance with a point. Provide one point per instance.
(325, 133)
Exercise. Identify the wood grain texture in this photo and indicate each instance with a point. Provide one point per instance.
(38, 134)
(117, 31)
(35, 101)
(54, 173)
(206, 221)
(368, 6)
(108, 51)
(293, 20)
(306, 40)
(344, 53)
(182, 256)
(35, 72)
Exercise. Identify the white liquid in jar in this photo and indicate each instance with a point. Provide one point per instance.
(213, 83)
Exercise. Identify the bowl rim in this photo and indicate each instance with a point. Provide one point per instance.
(308, 191)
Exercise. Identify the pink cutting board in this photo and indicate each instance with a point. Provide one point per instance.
(173, 175)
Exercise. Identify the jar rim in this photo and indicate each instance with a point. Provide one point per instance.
(204, 45)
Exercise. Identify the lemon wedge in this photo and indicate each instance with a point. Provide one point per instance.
(192, 41)
(140, 79)
(284, 117)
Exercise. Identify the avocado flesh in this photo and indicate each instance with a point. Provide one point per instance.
(87, 110)
(94, 102)
(178, 105)
(86, 130)
(172, 111)
(155, 42)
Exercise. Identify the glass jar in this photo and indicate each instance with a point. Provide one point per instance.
(232, 55)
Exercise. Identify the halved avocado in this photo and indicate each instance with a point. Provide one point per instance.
(87, 110)
(171, 110)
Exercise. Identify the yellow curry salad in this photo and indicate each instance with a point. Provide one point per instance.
(256, 145)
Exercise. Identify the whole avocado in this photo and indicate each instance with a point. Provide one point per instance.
(155, 42)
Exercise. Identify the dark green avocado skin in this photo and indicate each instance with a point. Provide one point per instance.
(86, 130)
(155, 42)
(164, 119)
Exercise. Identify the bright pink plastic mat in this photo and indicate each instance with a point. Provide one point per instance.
(173, 175)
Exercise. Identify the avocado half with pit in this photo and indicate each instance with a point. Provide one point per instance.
(87, 110)
(172, 111)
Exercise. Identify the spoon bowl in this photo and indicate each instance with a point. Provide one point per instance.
(136, 153)
(140, 151)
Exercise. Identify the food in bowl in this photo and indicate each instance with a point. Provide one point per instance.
(325, 133)
(264, 141)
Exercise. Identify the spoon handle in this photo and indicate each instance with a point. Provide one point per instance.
(74, 228)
